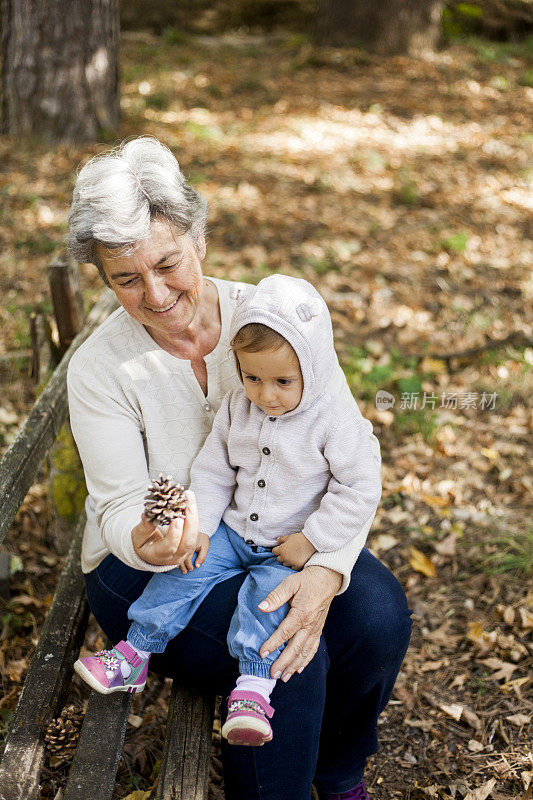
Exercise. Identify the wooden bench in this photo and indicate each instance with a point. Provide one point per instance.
(185, 763)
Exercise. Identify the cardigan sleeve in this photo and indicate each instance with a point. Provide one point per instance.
(343, 559)
(213, 478)
(354, 488)
(109, 438)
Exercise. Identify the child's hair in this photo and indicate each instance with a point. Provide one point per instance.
(255, 337)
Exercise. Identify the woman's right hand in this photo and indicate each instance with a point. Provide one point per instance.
(175, 547)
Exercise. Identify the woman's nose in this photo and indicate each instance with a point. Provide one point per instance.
(155, 291)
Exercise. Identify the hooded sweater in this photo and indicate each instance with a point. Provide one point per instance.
(311, 469)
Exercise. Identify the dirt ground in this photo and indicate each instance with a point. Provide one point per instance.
(402, 189)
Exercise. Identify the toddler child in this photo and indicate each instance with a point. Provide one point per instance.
(287, 470)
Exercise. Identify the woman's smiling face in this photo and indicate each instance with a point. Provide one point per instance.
(159, 283)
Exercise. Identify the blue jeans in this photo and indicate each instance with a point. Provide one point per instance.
(325, 725)
(171, 598)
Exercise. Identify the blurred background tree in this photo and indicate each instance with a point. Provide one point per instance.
(390, 27)
(60, 68)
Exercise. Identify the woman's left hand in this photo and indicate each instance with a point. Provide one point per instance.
(309, 594)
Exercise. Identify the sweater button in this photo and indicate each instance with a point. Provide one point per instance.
(272, 419)
(261, 483)
(266, 451)
(254, 517)
(207, 406)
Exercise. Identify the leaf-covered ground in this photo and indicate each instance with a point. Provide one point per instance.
(402, 189)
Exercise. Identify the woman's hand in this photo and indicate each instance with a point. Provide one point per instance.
(309, 594)
(175, 547)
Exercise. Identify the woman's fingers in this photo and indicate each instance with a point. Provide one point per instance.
(293, 622)
(281, 594)
(296, 655)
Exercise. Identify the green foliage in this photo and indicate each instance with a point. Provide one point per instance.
(406, 190)
(172, 36)
(512, 552)
(209, 133)
(36, 243)
(456, 243)
(399, 374)
(526, 79)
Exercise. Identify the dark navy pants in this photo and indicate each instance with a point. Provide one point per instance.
(325, 721)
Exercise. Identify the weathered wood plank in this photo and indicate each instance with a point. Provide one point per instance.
(184, 771)
(46, 683)
(64, 281)
(95, 764)
(22, 460)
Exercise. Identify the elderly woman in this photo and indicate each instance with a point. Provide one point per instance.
(143, 391)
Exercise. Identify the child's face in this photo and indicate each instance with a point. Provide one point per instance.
(272, 379)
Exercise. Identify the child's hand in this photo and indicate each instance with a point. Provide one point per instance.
(202, 547)
(294, 550)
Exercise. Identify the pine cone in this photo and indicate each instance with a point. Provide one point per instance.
(165, 501)
(62, 734)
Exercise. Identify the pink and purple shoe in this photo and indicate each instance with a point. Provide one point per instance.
(120, 669)
(248, 718)
(359, 792)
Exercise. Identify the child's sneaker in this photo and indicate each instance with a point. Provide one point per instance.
(120, 669)
(248, 717)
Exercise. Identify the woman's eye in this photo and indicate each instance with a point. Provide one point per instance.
(284, 381)
(128, 283)
(167, 267)
(251, 378)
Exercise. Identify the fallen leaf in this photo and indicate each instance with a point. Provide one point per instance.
(519, 719)
(482, 638)
(434, 500)
(423, 724)
(474, 746)
(527, 778)
(504, 670)
(138, 794)
(471, 718)
(482, 792)
(431, 666)
(421, 563)
(526, 619)
(448, 545)
(515, 684)
(489, 453)
(135, 720)
(459, 681)
(453, 711)
(383, 542)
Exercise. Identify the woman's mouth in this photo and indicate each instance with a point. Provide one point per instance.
(166, 308)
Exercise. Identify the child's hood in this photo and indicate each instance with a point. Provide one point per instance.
(293, 308)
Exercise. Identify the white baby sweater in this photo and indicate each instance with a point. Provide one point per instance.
(311, 469)
(136, 411)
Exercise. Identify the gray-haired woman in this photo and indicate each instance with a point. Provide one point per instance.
(143, 392)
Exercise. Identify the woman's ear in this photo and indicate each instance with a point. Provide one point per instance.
(201, 247)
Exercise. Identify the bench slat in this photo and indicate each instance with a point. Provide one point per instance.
(95, 764)
(22, 460)
(184, 771)
(47, 680)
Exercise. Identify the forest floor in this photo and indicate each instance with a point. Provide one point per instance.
(402, 188)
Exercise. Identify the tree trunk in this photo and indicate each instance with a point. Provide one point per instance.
(383, 26)
(60, 68)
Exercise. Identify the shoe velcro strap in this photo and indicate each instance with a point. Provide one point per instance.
(254, 697)
(129, 654)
